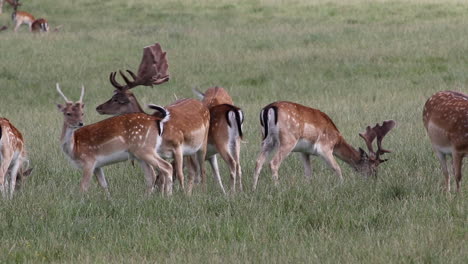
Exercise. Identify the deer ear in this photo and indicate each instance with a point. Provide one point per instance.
(60, 107)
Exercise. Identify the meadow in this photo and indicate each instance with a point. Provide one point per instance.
(359, 61)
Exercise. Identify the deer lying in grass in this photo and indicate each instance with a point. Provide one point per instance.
(290, 127)
(445, 118)
(12, 158)
(225, 134)
(185, 133)
(131, 136)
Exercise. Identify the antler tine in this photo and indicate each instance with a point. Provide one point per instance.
(130, 84)
(82, 94)
(61, 93)
(381, 131)
(369, 135)
(114, 82)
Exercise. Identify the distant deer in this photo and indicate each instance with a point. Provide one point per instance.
(225, 134)
(120, 138)
(40, 25)
(11, 2)
(13, 156)
(290, 127)
(21, 17)
(185, 133)
(445, 118)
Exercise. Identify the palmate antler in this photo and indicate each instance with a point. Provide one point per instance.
(152, 70)
(379, 132)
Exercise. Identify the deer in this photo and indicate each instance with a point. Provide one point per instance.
(225, 134)
(116, 139)
(21, 17)
(185, 133)
(11, 2)
(40, 25)
(13, 158)
(445, 117)
(291, 127)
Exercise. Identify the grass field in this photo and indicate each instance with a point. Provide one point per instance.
(361, 62)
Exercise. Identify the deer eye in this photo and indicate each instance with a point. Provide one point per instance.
(68, 114)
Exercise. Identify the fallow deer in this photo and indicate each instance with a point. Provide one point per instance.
(290, 127)
(225, 133)
(445, 118)
(21, 17)
(13, 156)
(131, 136)
(185, 133)
(40, 25)
(11, 2)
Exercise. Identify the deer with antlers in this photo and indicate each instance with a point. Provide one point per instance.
(13, 156)
(185, 133)
(225, 134)
(290, 127)
(120, 138)
(445, 118)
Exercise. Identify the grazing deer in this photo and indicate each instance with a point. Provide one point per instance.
(185, 133)
(21, 17)
(12, 158)
(11, 2)
(40, 25)
(445, 118)
(225, 133)
(131, 136)
(290, 127)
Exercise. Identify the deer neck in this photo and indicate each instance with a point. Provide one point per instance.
(347, 153)
(135, 106)
(68, 139)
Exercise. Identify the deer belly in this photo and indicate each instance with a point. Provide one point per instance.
(306, 146)
(190, 149)
(113, 158)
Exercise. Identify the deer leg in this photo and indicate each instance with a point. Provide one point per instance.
(283, 151)
(327, 156)
(151, 158)
(238, 166)
(13, 175)
(443, 164)
(266, 151)
(18, 24)
(457, 168)
(178, 166)
(87, 173)
(227, 157)
(7, 157)
(1, 6)
(214, 166)
(193, 170)
(150, 177)
(307, 168)
(200, 160)
(99, 173)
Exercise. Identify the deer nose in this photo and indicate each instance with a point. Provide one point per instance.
(80, 124)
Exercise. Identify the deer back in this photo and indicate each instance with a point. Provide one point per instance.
(216, 96)
(10, 136)
(445, 117)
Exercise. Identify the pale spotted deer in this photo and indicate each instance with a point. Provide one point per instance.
(13, 158)
(225, 134)
(21, 17)
(290, 127)
(185, 133)
(445, 118)
(120, 138)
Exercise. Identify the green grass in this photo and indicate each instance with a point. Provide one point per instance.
(361, 62)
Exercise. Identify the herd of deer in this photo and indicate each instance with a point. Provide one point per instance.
(22, 17)
(189, 132)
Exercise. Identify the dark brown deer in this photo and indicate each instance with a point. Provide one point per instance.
(186, 131)
(225, 134)
(445, 118)
(290, 127)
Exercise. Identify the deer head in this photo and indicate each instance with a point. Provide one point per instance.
(369, 163)
(72, 112)
(152, 71)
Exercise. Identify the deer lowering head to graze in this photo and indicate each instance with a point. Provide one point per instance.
(40, 25)
(185, 133)
(131, 136)
(225, 133)
(290, 127)
(21, 17)
(13, 158)
(445, 118)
